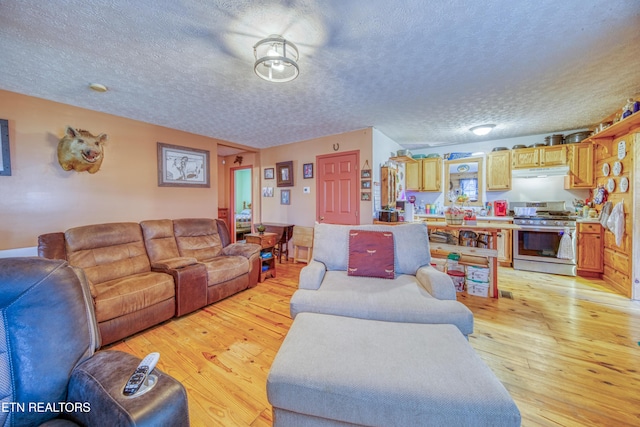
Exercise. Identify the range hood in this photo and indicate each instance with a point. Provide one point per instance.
(540, 172)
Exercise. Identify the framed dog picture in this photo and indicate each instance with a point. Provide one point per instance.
(182, 166)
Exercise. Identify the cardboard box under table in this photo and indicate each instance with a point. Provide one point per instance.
(342, 371)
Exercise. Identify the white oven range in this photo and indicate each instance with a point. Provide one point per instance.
(537, 244)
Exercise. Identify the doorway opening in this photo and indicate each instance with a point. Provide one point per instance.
(241, 202)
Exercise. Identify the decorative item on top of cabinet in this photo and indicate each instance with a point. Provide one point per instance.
(581, 164)
(590, 249)
(499, 170)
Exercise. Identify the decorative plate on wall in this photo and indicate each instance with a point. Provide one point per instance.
(624, 184)
(617, 168)
(611, 185)
(605, 169)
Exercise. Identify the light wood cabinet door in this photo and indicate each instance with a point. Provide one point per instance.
(554, 155)
(524, 158)
(413, 175)
(590, 247)
(432, 174)
(581, 162)
(499, 170)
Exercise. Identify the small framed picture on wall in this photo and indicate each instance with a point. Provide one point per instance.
(268, 173)
(365, 197)
(285, 197)
(366, 184)
(307, 170)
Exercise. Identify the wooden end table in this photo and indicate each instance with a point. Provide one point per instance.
(267, 242)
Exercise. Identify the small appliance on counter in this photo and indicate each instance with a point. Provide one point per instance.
(388, 215)
(500, 207)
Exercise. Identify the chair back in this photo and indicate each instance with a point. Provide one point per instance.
(47, 327)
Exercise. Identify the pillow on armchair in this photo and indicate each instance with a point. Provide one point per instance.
(371, 254)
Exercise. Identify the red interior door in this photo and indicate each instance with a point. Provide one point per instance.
(337, 188)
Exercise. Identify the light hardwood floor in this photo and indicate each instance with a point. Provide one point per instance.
(567, 349)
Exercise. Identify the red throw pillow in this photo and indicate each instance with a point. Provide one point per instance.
(371, 254)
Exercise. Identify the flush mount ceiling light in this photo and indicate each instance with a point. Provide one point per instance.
(276, 59)
(98, 87)
(482, 129)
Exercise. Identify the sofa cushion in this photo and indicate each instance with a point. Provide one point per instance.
(371, 254)
(224, 268)
(107, 251)
(411, 245)
(118, 297)
(197, 238)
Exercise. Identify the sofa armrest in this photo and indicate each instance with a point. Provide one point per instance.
(241, 249)
(311, 275)
(97, 384)
(173, 263)
(437, 283)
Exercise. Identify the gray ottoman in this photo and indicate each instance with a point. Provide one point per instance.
(341, 371)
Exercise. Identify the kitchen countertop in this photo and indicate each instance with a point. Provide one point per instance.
(588, 220)
(478, 218)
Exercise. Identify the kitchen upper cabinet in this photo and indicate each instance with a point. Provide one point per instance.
(537, 157)
(424, 175)
(581, 173)
(553, 155)
(524, 158)
(499, 170)
(432, 174)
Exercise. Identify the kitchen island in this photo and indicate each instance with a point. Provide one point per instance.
(491, 253)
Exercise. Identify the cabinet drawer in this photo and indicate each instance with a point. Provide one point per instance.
(589, 227)
(269, 241)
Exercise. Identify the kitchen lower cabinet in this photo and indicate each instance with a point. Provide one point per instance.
(499, 170)
(590, 249)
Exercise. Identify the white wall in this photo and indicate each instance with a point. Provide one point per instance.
(383, 146)
(522, 189)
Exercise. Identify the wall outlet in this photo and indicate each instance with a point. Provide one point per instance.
(306, 190)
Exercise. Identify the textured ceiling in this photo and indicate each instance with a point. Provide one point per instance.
(422, 72)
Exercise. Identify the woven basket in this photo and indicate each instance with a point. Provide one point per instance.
(454, 219)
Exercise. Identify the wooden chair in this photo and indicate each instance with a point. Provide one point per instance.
(302, 238)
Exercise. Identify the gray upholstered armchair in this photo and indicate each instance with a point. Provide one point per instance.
(49, 374)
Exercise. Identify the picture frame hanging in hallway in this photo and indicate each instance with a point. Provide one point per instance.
(285, 197)
(284, 174)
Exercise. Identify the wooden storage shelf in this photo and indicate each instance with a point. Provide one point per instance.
(622, 127)
(403, 159)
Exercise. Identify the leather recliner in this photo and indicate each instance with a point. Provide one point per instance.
(50, 373)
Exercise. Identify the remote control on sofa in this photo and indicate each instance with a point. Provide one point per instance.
(141, 373)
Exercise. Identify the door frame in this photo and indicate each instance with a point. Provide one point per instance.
(232, 199)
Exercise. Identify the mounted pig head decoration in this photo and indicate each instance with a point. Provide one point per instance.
(81, 151)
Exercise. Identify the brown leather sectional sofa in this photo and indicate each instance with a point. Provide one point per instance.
(143, 274)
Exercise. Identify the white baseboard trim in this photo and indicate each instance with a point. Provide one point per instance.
(20, 252)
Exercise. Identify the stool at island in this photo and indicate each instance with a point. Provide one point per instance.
(339, 371)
